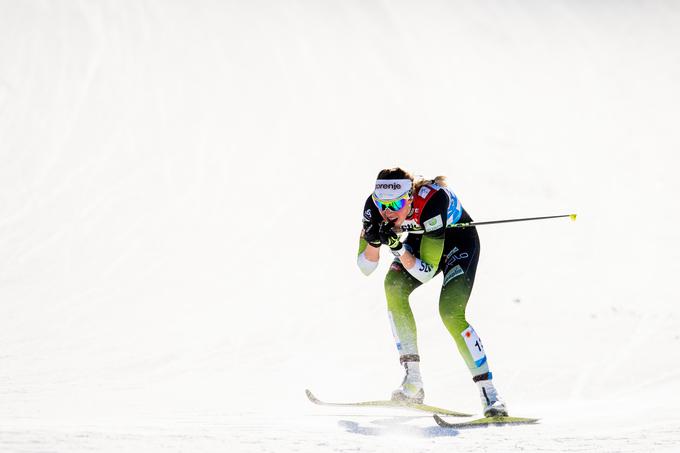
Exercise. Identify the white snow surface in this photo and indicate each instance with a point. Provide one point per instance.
(181, 185)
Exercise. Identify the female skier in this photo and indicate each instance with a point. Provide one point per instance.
(425, 209)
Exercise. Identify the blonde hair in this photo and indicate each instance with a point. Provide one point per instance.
(420, 182)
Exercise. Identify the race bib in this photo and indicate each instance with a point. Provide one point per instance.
(474, 345)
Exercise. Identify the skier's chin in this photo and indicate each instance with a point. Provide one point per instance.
(397, 221)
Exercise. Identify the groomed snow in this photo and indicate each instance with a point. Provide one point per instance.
(181, 185)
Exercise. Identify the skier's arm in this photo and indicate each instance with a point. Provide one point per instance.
(368, 256)
(369, 242)
(424, 268)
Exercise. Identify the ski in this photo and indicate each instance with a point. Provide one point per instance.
(486, 421)
(390, 403)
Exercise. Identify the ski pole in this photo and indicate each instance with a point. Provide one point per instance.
(471, 224)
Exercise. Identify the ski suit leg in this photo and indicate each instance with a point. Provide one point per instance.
(399, 284)
(459, 268)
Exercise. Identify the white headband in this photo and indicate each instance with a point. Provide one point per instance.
(391, 189)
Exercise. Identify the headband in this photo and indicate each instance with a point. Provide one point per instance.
(391, 189)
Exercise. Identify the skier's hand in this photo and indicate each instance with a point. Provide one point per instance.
(389, 237)
(372, 234)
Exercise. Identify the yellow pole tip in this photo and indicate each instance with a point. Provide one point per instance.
(572, 217)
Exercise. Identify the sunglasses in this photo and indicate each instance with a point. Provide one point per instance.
(392, 205)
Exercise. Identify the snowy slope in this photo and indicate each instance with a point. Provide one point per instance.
(181, 185)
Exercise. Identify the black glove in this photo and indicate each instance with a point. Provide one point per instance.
(390, 238)
(372, 234)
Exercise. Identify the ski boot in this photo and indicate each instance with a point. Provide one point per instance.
(491, 401)
(409, 392)
(411, 388)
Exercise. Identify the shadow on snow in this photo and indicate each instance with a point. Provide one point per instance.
(396, 426)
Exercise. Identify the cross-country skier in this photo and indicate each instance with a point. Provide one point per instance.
(425, 208)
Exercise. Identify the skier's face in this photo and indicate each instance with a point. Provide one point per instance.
(399, 216)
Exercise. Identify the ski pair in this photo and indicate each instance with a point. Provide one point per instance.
(435, 411)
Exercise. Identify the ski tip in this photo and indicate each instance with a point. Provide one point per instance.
(440, 421)
(572, 217)
(311, 396)
(486, 422)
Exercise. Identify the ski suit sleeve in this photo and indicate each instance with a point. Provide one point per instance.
(366, 266)
(432, 243)
(370, 213)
